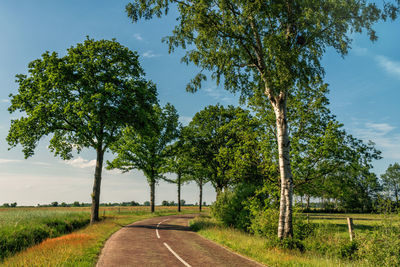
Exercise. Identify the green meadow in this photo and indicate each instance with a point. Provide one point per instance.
(62, 236)
(376, 241)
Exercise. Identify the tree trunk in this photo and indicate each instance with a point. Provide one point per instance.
(96, 186)
(285, 228)
(179, 191)
(200, 195)
(218, 190)
(308, 202)
(152, 187)
(301, 201)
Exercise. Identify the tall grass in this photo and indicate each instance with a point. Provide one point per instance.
(21, 228)
(82, 247)
(377, 242)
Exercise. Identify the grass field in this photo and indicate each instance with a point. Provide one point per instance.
(377, 241)
(23, 227)
(377, 237)
(79, 248)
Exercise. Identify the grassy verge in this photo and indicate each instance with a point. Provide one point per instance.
(256, 247)
(82, 247)
(22, 228)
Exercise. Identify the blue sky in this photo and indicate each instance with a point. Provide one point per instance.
(365, 93)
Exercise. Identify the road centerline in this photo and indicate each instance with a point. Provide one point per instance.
(158, 225)
(176, 255)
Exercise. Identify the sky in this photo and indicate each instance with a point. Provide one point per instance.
(364, 95)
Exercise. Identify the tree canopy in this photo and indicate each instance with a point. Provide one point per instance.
(147, 151)
(210, 141)
(81, 100)
(391, 181)
(268, 47)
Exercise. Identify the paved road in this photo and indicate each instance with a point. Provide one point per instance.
(166, 241)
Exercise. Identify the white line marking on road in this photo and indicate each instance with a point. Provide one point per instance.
(176, 255)
(158, 236)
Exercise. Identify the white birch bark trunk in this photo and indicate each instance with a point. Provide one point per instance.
(285, 228)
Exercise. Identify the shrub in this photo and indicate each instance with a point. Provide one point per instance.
(231, 206)
(381, 247)
(347, 250)
(265, 223)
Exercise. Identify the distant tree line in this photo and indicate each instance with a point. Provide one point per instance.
(10, 205)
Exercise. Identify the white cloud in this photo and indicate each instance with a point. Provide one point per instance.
(10, 161)
(149, 54)
(379, 129)
(138, 36)
(6, 161)
(5, 100)
(384, 135)
(185, 120)
(218, 94)
(360, 51)
(80, 162)
(391, 67)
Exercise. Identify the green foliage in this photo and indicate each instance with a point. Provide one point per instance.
(217, 138)
(203, 222)
(327, 161)
(265, 223)
(229, 207)
(258, 43)
(347, 250)
(265, 47)
(381, 247)
(147, 151)
(82, 100)
(391, 181)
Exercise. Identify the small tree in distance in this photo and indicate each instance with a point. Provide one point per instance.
(391, 181)
(178, 162)
(82, 100)
(147, 152)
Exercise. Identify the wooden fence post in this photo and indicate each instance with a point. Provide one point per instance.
(350, 225)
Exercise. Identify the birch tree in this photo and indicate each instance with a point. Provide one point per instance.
(265, 46)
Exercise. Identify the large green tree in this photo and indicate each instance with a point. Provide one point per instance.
(391, 180)
(208, 138)
(82, 100)
(327, 161)
(148, 152)
(265, 46)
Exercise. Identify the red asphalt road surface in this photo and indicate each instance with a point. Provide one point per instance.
(166, 241)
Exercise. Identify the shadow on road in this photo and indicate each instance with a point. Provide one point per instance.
(161, 227)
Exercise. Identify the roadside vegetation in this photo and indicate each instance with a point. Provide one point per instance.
(79, 248)
(23, 227)
(323, 241)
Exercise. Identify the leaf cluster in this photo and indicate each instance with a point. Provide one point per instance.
(147, 151)
(83, 99)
